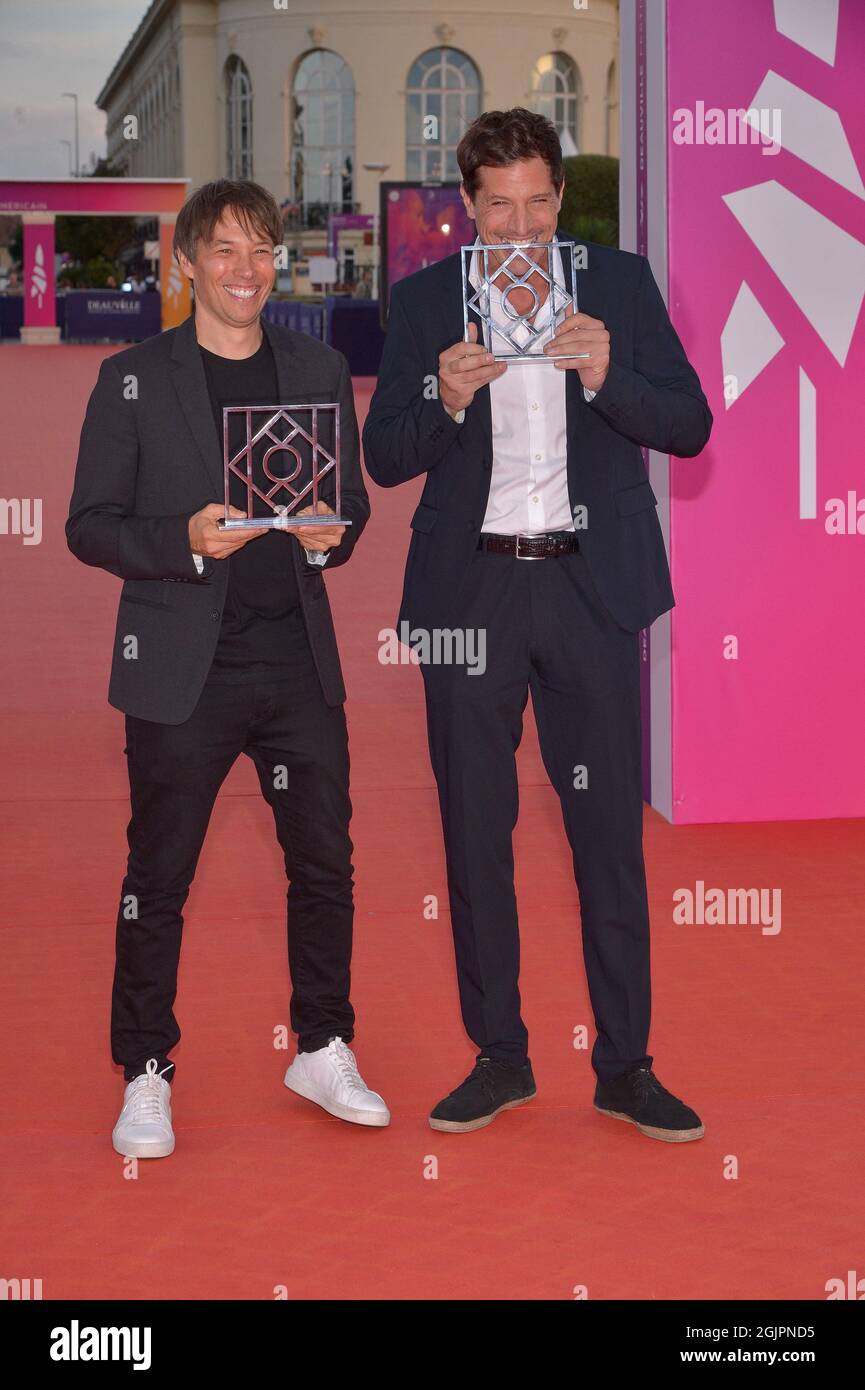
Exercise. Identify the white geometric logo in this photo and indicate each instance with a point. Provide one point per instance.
(811, 26)
(819, 263)
(749, 339)
(38, 276)
(811, 130)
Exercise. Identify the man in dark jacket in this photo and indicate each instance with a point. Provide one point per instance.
(537, 544)
(224, 645)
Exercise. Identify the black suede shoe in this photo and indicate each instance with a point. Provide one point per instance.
(639, 1098)
(491, 1087)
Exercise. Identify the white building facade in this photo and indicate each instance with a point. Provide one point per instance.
(320, 104)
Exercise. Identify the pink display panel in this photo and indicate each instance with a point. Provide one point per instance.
(766, 278)
(40, 307)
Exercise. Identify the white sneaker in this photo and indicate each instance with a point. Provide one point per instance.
(143, 1129)
(330, 1078)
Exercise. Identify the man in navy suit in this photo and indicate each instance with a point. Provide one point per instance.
(537, 541)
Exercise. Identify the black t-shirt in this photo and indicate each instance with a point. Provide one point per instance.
(262, 621)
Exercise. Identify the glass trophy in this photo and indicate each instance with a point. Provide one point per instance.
(513, 336)
(284, 456)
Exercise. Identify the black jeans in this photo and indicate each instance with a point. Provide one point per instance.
(175, 772)
(546, 632)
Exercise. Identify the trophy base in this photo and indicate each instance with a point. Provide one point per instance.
(280, 523)
(517, 359)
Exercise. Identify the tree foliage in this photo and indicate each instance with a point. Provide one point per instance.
(590, 206)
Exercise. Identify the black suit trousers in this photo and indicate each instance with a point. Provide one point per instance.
(545, 632)
(299, 746)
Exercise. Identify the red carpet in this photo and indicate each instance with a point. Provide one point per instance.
(761, 1034)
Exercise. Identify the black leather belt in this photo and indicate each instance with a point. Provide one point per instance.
(543, 547)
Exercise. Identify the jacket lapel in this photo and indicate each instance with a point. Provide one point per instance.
(293, 374)
(479, 421)
(296, 379)
(575, 401)
(190, 384)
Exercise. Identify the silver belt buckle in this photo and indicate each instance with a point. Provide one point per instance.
(518, 556)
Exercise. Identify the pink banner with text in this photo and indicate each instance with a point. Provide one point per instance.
(766, 277)
(112, 197)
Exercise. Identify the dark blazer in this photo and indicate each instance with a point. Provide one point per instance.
(651, 397)
(149, 457)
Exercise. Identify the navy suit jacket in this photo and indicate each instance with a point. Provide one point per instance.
(651, 397)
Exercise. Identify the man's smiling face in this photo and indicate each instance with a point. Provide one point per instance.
(233, 273)
(516, 203)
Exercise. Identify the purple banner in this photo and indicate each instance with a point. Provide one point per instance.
(112, 315)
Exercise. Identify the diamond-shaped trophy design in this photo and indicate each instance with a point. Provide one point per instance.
(508, 267)
(282, 454)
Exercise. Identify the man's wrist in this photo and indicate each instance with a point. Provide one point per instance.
(592, 391)
(456, 415)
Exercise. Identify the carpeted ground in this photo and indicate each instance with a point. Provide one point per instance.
(761, 1034)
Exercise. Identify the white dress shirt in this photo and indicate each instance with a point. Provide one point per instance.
(529, 481)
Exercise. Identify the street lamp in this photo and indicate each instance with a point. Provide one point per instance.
(74, 96)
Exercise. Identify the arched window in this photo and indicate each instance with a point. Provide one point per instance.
(556, 92)
(238, 110)
(443, 97)
(322, 144)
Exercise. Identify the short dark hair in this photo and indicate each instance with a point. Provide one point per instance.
(498, 138)
(252, 205)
